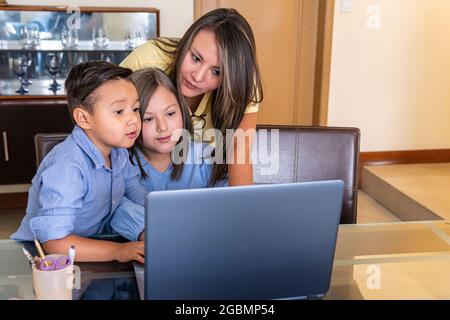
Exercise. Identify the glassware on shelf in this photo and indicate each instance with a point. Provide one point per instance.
(20, 68)
(52, 64)
(28, 62)
(69, 37)
(41, 31)
(99, 37)
(79, 57)
(134, 36)
(30, 36)
(108, 57)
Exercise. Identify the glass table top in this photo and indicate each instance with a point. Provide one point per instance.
(405, 260)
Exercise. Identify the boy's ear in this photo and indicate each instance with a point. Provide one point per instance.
(82, 118)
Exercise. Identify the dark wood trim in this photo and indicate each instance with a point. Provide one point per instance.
(13, 200)
(25, 97)
(409, 156)
(402, 157)
(82, 9)
(158, 24)
(30, 102)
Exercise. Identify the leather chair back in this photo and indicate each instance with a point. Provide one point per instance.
(313, 154)
(305, 154)
(44, 142)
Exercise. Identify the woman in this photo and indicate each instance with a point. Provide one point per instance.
(215, 70)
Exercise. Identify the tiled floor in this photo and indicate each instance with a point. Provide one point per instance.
(427, 185)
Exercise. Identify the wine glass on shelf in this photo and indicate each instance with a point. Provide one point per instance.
(30, 36)
(27, 40)
(108, 57)
(28, 62)
(79, 57)
(20, 69)
(69, 37)
(99, 37)
(52, 64)
(134, 36)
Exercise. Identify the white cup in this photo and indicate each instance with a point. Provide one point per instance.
(53, 285)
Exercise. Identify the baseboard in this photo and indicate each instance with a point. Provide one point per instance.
(13, 200)
(401, 157)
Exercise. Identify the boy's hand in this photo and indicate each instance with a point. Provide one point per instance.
(130, 251)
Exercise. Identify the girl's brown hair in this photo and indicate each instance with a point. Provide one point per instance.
(240, 80)
(147, 81)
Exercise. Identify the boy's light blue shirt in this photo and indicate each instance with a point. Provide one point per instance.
(74, 192)
(196, 174)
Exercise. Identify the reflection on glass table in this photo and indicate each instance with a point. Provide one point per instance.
(407, 260)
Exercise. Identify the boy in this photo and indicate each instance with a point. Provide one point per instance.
(83, 180)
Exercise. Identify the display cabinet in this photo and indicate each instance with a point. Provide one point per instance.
(38, 46)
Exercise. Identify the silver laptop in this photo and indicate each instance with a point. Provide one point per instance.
(255, 242)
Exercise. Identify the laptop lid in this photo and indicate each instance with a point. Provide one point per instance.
(253, 242)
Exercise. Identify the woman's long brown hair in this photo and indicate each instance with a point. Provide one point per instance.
(147, 81)
(240, 80)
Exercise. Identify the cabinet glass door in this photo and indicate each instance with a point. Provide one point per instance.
(66, 37)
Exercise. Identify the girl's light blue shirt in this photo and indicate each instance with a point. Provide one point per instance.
(74, 192)
(196, 174)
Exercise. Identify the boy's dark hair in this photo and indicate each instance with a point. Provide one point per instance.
(85, 78)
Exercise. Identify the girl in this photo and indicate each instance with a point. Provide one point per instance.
(214, 67)
(163, 117)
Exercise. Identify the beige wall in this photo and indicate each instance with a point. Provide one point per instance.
(393, 83)
(176, 15)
